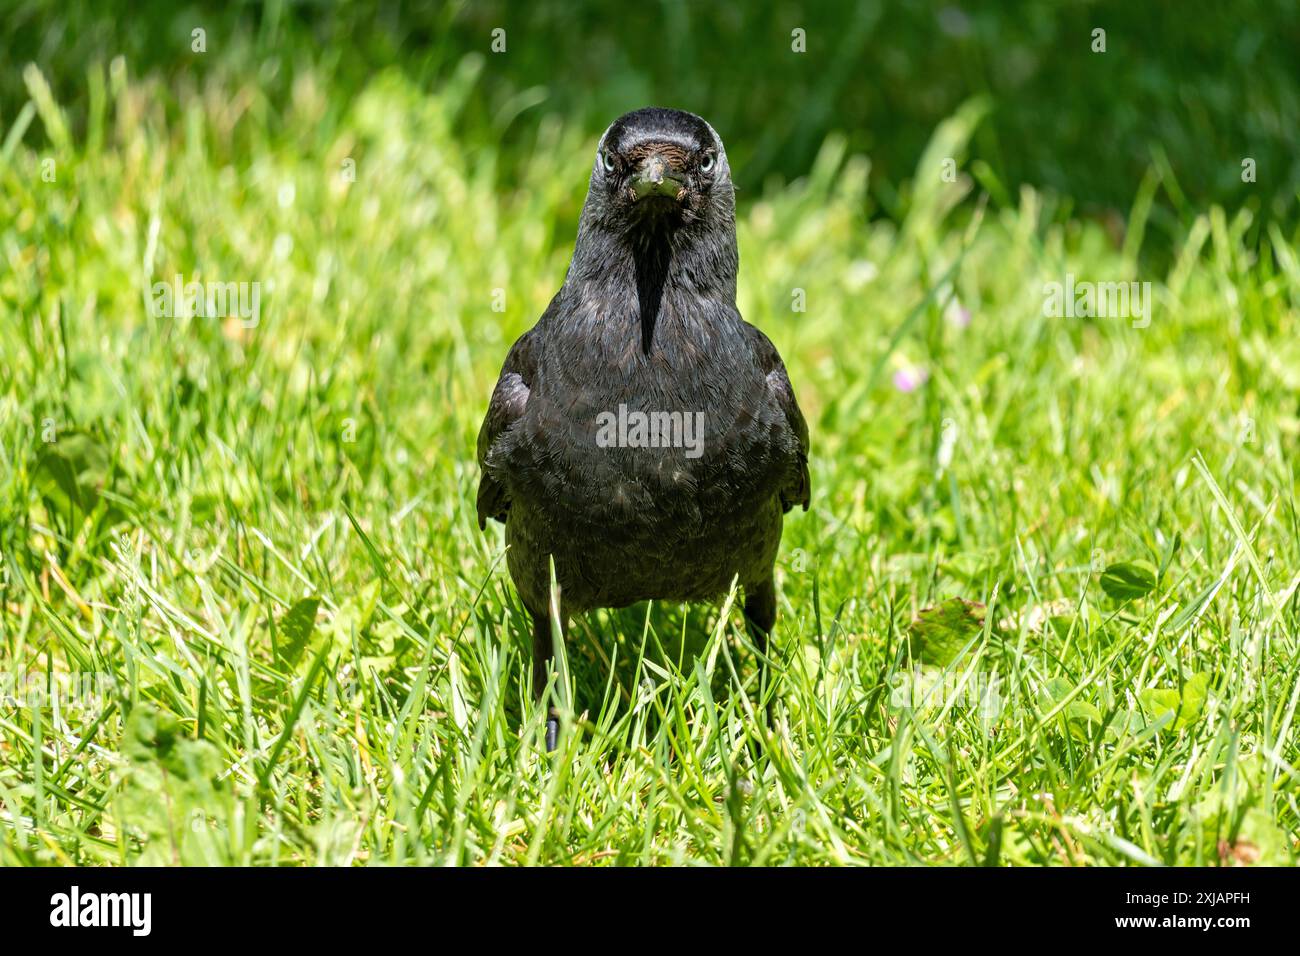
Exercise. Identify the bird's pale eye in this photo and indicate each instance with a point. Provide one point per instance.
(707, 165)
(607, 160)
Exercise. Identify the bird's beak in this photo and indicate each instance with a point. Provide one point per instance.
(653, 179)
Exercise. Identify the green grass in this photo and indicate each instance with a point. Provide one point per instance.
(260, 543)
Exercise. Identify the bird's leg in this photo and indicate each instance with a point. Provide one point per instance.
(543, 650)
(760, 614)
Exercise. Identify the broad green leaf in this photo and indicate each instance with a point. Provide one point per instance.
(1195, 690)
(1158, 703)
(1236, 831)
(70, 473)
(1078, 713)
(940, 632)
(171, 795)
(1185, 707)
(1129, 580)
(296, 627)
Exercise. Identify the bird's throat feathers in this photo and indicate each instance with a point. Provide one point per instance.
(689, 266)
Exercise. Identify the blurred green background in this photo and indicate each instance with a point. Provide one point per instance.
(1189, 89)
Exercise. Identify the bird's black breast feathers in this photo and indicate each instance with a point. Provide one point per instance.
(642, 434)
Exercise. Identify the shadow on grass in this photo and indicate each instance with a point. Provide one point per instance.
(615, 656)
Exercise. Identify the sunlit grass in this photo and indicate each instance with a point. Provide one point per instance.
(252, 551)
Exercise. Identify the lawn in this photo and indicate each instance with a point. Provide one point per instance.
(1043, 609)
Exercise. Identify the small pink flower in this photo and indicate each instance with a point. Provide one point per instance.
(910, 378)
(957, 315)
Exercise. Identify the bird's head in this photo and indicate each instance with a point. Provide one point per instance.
(657, 167)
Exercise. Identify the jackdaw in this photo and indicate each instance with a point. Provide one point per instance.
(642, 435)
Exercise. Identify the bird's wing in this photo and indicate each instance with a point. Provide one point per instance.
(506, 407)
(798, 487)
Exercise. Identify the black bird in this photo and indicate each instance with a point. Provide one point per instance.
(642, 434)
